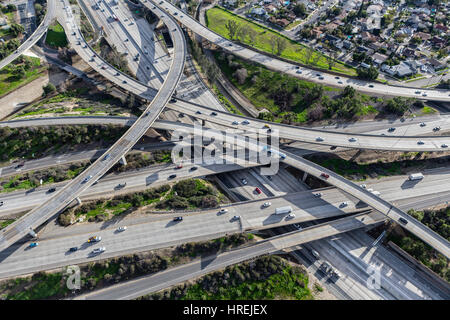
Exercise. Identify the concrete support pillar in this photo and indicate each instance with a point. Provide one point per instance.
(203, 122)
(78, 200)
(305, 175)
(32, 233)
(123, 161)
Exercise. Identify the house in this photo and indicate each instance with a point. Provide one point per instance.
(282, 22)
(378, 58)
(316, 32)
(347, 44)
(229, 3)
(441, 27)
(258, 12)
(437, 41)
(423, 36)
(331, 38)
(400, 70)
(408, 52)
(270, 8)
(435, 64)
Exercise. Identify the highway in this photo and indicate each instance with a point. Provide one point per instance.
(67, 194)
(290, 68)
(34, 38)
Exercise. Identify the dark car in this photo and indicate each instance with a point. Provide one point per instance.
(51, 190)
(326, 176)
(173, 100)
(172, 176)
(193, 168)
(370, 85)
(176, 219)
(214, 113)
(402, 220)
(391, 129)
(73, 249)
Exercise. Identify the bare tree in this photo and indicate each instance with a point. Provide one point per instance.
(232, 27)
(252, 34)
(308, 54)
(281, 44)
(331, 59)
(243, 32)
(315, 58)
(273, 43)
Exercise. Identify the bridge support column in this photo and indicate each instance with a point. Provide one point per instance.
(203, 122)
(123, 161)
(78, 200)
(305, 175)
(32, 233)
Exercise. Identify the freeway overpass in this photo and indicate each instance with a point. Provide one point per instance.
(62, 198)
(34, 38)
(290, 68)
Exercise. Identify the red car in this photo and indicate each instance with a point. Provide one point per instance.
(326, 176)
(258, 190)
(179, 166)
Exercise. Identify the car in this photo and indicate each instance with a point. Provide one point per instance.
(84, 46)
(91, 59)
(235, 123)
(126, 40)
(317, 195)
(131, 23)
(297, 67)
(269, 130)
(318, 74)
(73, 33)
(444, 145)
(214, 113)
(343, 204)
(266, 125)
(424, 94)
(33, 244)
(391, 129)
(297, 226)
(51, 190)
(1, 203)
(337, 77)
(103, 67)
(420, 142)
(94, 239)
(235, 218)
(198, 112)
(352, 139)
(78, 42)
(244, 181)
(436, 128)
(370, 85)
(315, 254)
(121, 185)
(319, 139)
(193, 168)
(175, 13)
(363, 186)
(321, 78)
(161, 2)
(106, 157)
(299, 71)
(223, 211)
(145, 51)
(340, 82)
(245, 122)
(98, 250)
(121, 229)
(179, 166)
(172, 176)
(290, 216)
(324, 175)
(124, 81)
(258, 190)
(417, 92)
(87, 178)
(176, 219)
(73, 249)
(147, 67)
(403, 220)
(267, 204)
(422, 124)
(230, 44)
(333, 148)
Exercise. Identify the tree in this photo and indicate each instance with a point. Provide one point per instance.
(367, 73)
(397, 105)
(232, 27)
(300, 10)
(281, 44)
(19, 72)
(331, 59)
(273, 43)
(243, 32)
(17, 29)
(252, 34)
(49, 88)
(308, 54)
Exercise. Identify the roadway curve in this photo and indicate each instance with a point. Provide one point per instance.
(290, 68)
(34, 38)
(62, 198)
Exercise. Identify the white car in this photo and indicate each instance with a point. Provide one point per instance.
(267, 204)
(423, 124)
(297, 226)
(123, 228)
(290, 216)
(244, 181)
(98, 250)
(343, 204)
(315, 254)
(363, 186)
(223, 211)
(318, 194)
(87, 178)
(236, 218)
(352, 139)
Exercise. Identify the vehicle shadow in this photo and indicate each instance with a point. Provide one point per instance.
(409, 184)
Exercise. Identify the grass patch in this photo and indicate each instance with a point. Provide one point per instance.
(56, 37)
(216, 19)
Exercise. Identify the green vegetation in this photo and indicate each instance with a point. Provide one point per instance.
(438, 221)
(22, 71)
(34, 142)
(32, 179)
(109, 271)
(291, 100)
(5, 223)
(85, 26)
(56, 37)
(268, 277)
(191, 193)
(234, 27)
(231, 107)
(117, 60)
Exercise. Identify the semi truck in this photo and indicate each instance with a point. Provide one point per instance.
(282, 210)
(416, 176)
